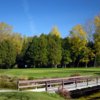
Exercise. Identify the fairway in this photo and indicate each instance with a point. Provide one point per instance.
(49, 73)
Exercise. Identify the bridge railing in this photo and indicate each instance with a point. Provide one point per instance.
(55, 82)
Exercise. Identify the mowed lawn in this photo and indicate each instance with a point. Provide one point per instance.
(49, 72)
(29, 96)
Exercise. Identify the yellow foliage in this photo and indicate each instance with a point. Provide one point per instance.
(97, 21)
(17, 41)
(78, 31)
(55, 32)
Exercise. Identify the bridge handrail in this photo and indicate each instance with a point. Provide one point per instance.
(52, 81)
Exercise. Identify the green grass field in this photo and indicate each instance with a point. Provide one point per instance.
(49, 73)
(29, 96)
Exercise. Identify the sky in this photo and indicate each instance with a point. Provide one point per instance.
(33, 17)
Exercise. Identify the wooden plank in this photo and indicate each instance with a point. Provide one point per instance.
(52, 79)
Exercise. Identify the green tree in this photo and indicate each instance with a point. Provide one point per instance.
(86, 55)
(31, 57)
(54, 50)
(66, 57)
(66, 54)
(7, 54)
(20, 60)
(43, 53)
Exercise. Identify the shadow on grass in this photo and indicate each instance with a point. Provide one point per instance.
(98, 73)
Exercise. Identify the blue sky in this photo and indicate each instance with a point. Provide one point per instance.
(33, 17)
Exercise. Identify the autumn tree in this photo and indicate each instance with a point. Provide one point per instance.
(17, 41)
(5, 31)
(55, 32)
(78, 41)
(97, 38)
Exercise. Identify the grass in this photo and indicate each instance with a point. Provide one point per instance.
(29, 96)
(49, 73)
(42, 96)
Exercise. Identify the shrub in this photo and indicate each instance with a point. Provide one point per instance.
(64, 93)
(8, 82)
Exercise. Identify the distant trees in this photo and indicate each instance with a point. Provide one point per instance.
(80, 48)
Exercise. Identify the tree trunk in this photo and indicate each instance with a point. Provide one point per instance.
(55, 65)
(78, 64)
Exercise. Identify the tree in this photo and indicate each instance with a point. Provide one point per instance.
(54, 50)
(43, 53)
(86, 55)
(20, 60)
(31, 57)
(7, 54)
(66, 54)
(17, 41)
(97, 35)
(78, 41)
(66, 57)
(55, 32)
(5, 31)
(97, 38)
(89, 27)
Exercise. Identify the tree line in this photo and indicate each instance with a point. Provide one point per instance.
(80, 49)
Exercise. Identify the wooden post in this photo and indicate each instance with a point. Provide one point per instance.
(75, 83)
(62, 84)
(87, 82)
(97, 80)
(18, 85)
(46, 86)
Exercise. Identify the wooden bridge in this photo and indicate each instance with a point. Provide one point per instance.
(52, 85)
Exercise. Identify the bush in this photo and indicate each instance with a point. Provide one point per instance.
(64, 93)
(8, 82)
